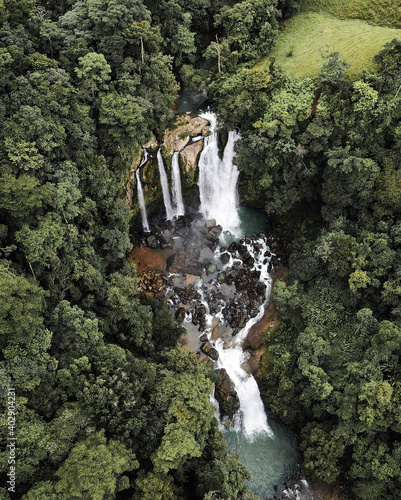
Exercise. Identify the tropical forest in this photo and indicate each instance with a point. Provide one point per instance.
(200, 249)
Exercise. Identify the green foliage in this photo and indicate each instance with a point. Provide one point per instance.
(83, 86)
(153, 486)
(21, 306)
(250, 26)
(93, 468)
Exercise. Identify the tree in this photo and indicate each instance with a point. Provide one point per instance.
(94, 469)
(94, 72)
(251, 27)
(21, 306)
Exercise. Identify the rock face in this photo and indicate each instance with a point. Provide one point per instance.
(180, 139)
(189, 156)
(226, 395)
(176, 139)
(152, 144)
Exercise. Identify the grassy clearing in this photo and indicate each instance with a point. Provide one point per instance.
(381, 12)
(309, 37)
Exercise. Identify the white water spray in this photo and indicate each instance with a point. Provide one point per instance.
(141, 197)
(251, 417)
(218, 179)
(176, 178)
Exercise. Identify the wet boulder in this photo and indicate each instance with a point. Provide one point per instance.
(210, 351)
(210, 223)
(214, 233)
(225, 394)
(203, 338)
(180, 314)
(200, 311)
(152, 242)
(215, 332)
(211, 269)
(225, 257)
(233, 247)
(248, 259)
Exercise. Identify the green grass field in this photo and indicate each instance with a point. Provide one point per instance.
(309, 36)
(382, 12)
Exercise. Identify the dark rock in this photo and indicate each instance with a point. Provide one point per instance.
(180, 314)
(200, 311)
(194, 269)
(166, 236)
(152, 242)
(170, 260)
(242, 250)
(248, 240)
(210, 351)
(233, 247)
(203, 338)
(225, 257)
(226, 395)
(248, 259)
(214, 233)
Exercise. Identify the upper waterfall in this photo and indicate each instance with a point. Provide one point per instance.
(218, 178)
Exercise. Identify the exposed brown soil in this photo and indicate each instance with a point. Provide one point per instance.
(324, 491)
(147, 259)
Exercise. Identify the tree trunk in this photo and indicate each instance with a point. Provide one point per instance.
(218, 54)
(142, 51)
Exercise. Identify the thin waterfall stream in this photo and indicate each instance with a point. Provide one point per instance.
(165, 186)
(141, 198)
(176, 184)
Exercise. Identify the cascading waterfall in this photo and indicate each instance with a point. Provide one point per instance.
(218, 178)
(176, 178)
(165, 187)
(251, 417)
(141, 197)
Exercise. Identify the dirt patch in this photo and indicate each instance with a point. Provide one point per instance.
(324, 491)
(147, 259)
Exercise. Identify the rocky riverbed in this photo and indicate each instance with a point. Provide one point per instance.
(199, 278)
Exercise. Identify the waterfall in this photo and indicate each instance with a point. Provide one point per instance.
(176, 178)
(141, 197)
(251, 417)
(165, 187)
(218, 178)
